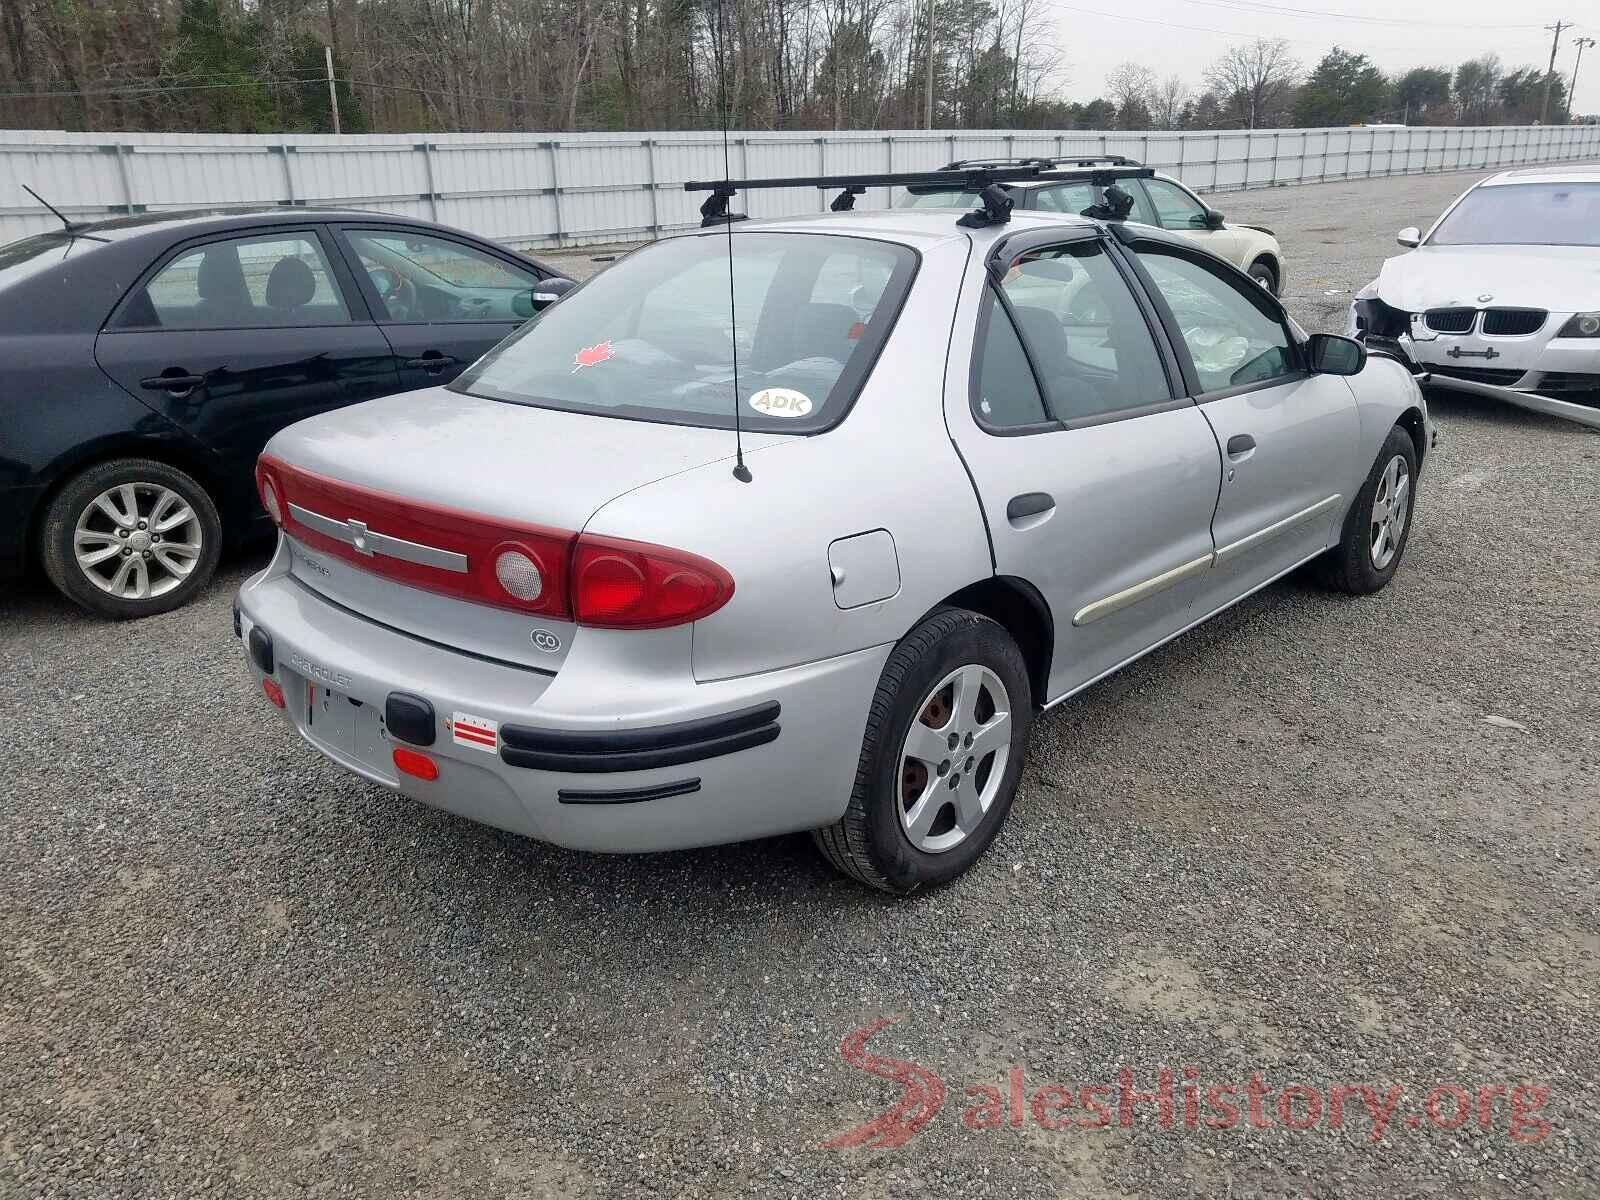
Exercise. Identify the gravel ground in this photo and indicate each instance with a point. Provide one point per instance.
(1291, 845)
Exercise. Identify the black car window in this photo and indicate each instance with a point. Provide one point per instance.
(1007, 395)
(1081, 194)
(273, 281)
(1233, 340)
(423, 278)
(1085, 332)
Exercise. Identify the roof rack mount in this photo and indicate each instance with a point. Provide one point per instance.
(982, 179)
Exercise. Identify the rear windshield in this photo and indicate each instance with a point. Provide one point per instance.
(651, 338)
(20, 259)
(1524, 214)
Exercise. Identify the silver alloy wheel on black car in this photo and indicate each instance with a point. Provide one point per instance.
(130, 537)
(138, 540)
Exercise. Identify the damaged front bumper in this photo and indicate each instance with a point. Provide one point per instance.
(1559, 377)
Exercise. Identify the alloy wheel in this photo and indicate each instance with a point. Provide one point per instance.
(137, 540)
(954, 758)
(1391, 508)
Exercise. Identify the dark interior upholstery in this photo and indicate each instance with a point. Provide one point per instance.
(290, 285)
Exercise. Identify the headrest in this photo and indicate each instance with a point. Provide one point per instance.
(291, 284)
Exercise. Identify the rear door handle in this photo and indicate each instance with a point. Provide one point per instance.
(1029, 504)
(172, 383)
(431, 361)
(1240, 443)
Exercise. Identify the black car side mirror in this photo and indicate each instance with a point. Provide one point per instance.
(1213, 219)
(541, 296)
(1334, 355)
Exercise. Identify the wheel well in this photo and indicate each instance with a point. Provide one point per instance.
(1017, 605)
(1411, 422)
(161, 451)
(1271, 264)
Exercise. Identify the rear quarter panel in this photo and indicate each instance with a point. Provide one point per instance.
(888, 465)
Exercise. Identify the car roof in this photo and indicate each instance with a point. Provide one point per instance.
(1578, 173)
(205, 220)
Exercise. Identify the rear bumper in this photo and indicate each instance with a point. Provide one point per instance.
(715, 762)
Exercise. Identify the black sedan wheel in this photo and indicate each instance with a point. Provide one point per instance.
(130, 538)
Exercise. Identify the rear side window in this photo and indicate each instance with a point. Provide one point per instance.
(243, 283)
(1007, 393)
(1085, 332)
(651, 337)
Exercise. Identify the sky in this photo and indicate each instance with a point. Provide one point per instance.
(1183, 37)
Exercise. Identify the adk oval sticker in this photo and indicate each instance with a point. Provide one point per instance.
(781, 402)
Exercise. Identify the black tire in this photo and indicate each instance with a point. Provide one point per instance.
(1261, 271)
(1349, 566)
(868, 843)
(76, 498)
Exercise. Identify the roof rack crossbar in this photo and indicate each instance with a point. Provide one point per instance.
(1077, 160)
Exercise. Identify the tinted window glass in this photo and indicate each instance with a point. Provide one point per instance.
(1524, 214)
(1008, 395)
(1175, 208)
(1085, 331)
(1233, 342)
(422, 278)
(281, 280)
(651, 337)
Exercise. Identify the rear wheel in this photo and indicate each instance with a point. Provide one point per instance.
(1379, 523)
(130, 538)
(1262, 272)
(941, 759)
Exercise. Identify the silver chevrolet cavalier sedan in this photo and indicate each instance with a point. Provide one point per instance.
(982, 468)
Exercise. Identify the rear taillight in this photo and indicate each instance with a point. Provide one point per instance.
(270, 499)
(633, 585)
(600, 581)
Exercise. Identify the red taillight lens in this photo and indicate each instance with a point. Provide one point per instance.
(270, 497)
(601, 581)
(273, 691)
(618, 584)
(416, 764)
(523, 567)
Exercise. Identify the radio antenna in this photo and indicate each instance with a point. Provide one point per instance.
(740, 471)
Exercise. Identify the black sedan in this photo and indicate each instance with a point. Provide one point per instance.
(149, 358)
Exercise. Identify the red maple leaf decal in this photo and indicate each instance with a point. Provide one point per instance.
(591, 355)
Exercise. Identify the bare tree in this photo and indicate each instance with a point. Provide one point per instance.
(1171, 96)
(1131, 88)
(1255, 80)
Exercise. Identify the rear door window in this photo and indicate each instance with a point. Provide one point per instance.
(652, 337)
(280, 280)
(1087, 336)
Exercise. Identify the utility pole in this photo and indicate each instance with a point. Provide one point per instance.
(1572, 91)
(928, 116)
(333, 92)
(1544, 108)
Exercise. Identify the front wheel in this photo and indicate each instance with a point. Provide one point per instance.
(1261, 271)
(130, 538)
(1379, 523)
(941, 758)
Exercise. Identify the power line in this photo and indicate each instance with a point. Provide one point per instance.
(1251, 6)
(149, 87)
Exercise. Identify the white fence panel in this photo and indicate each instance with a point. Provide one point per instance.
(573, 189)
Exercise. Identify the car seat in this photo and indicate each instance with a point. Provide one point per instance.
(290, 287)
(221, 287)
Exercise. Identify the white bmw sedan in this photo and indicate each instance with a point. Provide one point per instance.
(1502, 295)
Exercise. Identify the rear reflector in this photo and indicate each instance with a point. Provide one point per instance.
(273, 691)
(415, 763)
(606, 582)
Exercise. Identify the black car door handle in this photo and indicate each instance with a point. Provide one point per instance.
(1029, 504)
(1239, 443)
(172, 383)
(431, 362)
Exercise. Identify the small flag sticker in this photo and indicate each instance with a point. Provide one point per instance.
(478, 732)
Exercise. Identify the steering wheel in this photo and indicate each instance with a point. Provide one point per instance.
(399, 294)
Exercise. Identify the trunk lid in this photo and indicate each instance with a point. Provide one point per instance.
(507, 462)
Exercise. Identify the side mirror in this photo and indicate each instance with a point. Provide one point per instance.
(543, 295)
(1331, 354)
(1409, 237)
(1213, 219)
